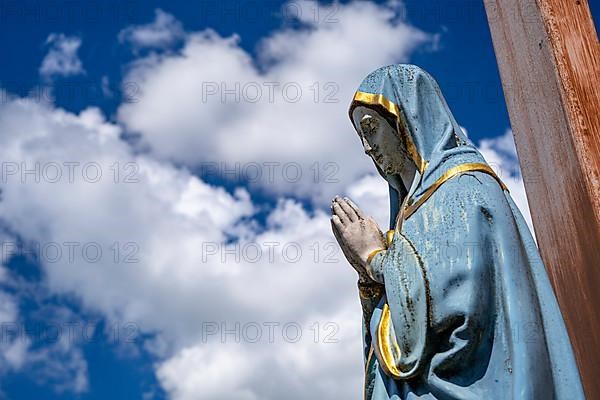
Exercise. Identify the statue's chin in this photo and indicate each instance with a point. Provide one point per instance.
(393, 167)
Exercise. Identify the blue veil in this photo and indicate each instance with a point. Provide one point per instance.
(466, 309)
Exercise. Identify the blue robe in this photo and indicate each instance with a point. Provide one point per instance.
(465, 309)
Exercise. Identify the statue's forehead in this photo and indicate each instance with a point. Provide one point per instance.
(361, 111)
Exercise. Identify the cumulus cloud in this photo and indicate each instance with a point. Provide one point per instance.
(175, 226)
(286, 106)
(35, 343)
(62, 58)
(13, 351)
(162, 33)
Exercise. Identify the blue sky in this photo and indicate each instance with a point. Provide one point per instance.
(140, 325)
(463, 63)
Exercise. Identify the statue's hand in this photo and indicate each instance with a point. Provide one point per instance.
(358, 235)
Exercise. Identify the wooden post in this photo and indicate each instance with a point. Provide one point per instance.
(549, 60)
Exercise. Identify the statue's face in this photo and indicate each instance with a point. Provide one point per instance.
(381, 141)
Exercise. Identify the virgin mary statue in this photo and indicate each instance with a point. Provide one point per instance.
(456, 300)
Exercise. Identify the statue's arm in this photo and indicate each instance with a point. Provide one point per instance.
(372, 289)
(370, 294)
(400, 334)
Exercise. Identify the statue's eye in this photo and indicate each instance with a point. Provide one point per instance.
(369, 125)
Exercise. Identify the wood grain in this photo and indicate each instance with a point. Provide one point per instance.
(549, 61)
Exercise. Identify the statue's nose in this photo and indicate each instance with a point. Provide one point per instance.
(368, 148)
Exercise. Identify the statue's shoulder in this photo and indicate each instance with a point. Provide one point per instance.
(478, 186)
(469, 195)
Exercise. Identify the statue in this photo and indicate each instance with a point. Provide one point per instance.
(456, 300)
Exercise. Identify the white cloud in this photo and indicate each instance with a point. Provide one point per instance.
(61, 363)
(192, 95)
(41, 349)
(171, 216)
(105, 86)
(162, 33)
(283, 369)
(12, 350)
(62, 58)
